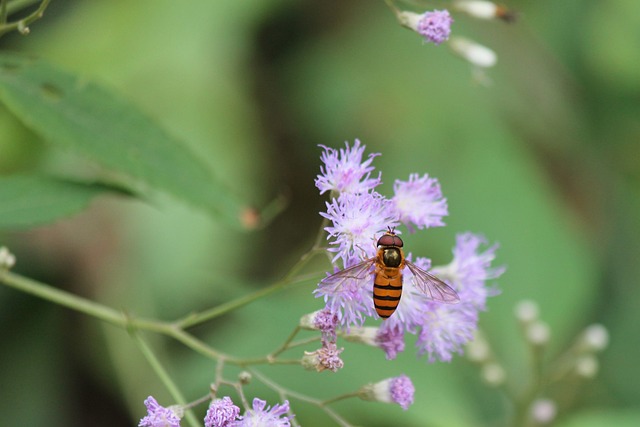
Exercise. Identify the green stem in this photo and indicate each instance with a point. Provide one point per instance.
(165, 378)
(22, 25)
(289, 279)
(64, 298)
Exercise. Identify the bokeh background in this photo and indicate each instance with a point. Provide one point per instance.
(545, 161)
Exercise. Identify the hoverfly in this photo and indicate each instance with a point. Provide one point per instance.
(387, 281)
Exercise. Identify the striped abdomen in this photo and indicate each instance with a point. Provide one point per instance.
(387, 290)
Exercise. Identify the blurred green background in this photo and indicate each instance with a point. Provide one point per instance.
(544, 161)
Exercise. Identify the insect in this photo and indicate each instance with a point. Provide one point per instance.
(386, 267)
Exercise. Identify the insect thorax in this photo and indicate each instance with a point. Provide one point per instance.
(391, 257)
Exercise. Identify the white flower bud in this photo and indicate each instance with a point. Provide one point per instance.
(7, 259)
(526, 311)
(543, 411)
(362, 334)
(477, 8)
(538, 333)
(493, 374)
(587, 366)
(595, 337)
(473, 52)
(478, 350)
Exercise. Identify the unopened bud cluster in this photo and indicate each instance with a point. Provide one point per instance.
(479, 352)
(536, 331)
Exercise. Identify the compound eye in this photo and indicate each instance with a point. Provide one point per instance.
(390, 240)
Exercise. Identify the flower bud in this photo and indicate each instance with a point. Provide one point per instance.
(7, 259)
(398, 390)
(245, 377)
(526, 311)
(538, 333)
(493, 374)
(595, 337)
(473, 52)
(543, 411)
(586, 366)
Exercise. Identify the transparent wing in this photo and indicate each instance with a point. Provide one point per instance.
(360, 274)
(431, 286)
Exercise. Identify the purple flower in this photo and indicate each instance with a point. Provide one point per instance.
(471, 268)
(419, 202)
(390, 339)
(435, 26)
(325, 358)
(397, 390)
(324, 321)
(158, 416)
(221, 413)
(357, 219)
(269, 417)
(351, 301)
(345, 172)
(447, 327)
(445, 330)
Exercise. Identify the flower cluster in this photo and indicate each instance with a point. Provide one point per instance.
(357, 217)
(221, 413)
(328, 356)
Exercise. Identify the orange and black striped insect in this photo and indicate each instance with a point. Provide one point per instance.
(386, 268)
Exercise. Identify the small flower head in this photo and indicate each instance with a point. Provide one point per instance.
(221, 413)
(269, 417)
(391, 340)
(356, 219)
(419, 202)
(345, 172)
(435, 26)
(158, 416)
(397, 390)
(325, 358)
(324, 321)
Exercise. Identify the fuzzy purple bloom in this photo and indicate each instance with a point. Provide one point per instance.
(326, 321)
(419, 202)
(448, 327)
(345, 172)
(158, 416)
(221, 413)
(269, 417)
(391, 340)
(402, 391)
(325, 358)
(351, 302)
(435, 26)
(356, 220)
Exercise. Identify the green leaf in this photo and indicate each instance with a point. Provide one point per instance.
(96, 123)
(29, 201)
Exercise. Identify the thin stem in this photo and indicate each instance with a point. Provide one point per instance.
(341, 397)
(22, 25)
(3, 12)
(164, 377)
(284, 345)
(63, 298)
(199, 318)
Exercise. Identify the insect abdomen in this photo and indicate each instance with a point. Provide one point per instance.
(386, 294)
